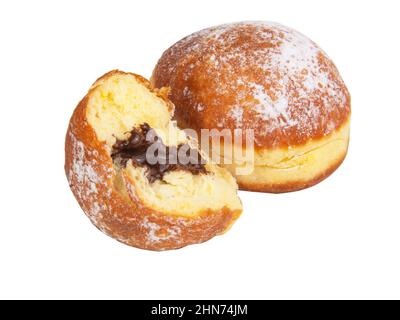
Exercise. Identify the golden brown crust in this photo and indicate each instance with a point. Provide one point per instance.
(91, 176)
(260, 76)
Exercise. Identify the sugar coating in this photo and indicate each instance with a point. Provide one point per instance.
(263, 75)
(85, 179)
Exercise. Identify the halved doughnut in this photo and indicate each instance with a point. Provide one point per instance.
(146, 205)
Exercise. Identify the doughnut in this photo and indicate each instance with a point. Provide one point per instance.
(149, 203)
(270, 79)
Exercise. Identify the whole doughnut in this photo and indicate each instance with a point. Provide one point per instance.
(271, 79)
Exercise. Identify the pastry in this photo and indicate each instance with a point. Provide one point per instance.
(267, 78)
(147, 202)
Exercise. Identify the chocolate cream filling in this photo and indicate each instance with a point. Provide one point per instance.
(163, 160)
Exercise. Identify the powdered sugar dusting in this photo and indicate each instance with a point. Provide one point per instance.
(263, 70)
(266, 107)
(155, 233)
(85, 179)
(237, 114)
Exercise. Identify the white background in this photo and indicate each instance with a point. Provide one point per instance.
(339, 239)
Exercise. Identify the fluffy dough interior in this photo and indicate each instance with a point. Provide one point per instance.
(300, 163)
(120, 103)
